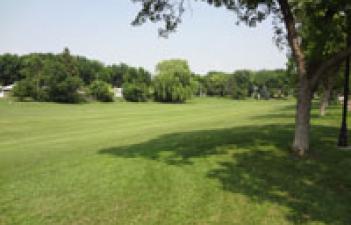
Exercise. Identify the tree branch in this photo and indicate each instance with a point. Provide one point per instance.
(328, 64)
(293, 37)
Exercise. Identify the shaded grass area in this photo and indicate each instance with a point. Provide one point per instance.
(212, 161)
(260, 167)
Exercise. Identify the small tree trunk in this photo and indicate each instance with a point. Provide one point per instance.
(302, 120)
(325, 99)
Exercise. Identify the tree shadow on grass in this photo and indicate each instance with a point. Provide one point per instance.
(181, 148)
(259, 166)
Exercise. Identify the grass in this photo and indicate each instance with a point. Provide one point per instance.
(212, 161)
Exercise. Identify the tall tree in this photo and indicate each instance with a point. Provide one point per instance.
(325, 17)
(173, 81)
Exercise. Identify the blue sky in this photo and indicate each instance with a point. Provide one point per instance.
(100, 29)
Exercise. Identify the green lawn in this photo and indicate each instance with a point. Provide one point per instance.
(212, 161)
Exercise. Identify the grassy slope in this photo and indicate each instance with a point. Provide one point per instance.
(213, 161)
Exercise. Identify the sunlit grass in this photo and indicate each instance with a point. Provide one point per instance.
(211, 161)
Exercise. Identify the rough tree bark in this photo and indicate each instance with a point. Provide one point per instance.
(302, 117)
(304, 98)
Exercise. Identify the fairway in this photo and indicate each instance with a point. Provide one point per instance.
(210, 161)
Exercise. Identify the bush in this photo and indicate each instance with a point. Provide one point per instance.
(135, 92)
(30, 88)
(22, 89)
(101, 91)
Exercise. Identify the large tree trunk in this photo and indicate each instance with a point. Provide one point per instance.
(304, 101)
(325, 99)
(302, 120)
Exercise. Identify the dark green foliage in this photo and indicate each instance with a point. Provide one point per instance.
(61, 86)
(44, 75)
(34, 84)
(49, 78)
(137, 75)
(31, 88)
(173, 82)
(63, 81)
(23, 88)
(10, 67)
(244, 83)
(277, 82)
(238, 92)
(135, 92)
(117, 73)
(239, 84)
(101, 91)
(89, 70)
(65, 90)
(58, 78)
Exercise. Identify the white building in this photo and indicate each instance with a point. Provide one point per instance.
(118, 92)
(4, 90)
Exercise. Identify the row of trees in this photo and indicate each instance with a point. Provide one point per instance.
(12, 66)
(264, 84)
(66, 78)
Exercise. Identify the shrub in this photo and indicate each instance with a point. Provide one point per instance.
(22, 89)
(30, 88)
(101, 91)
(135, 92)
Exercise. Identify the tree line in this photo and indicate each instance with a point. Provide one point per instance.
(241, 84)
(64, 77)
(67, 78)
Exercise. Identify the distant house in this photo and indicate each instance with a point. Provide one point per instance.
(4, 90)
(118, 92)
(341, 101)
